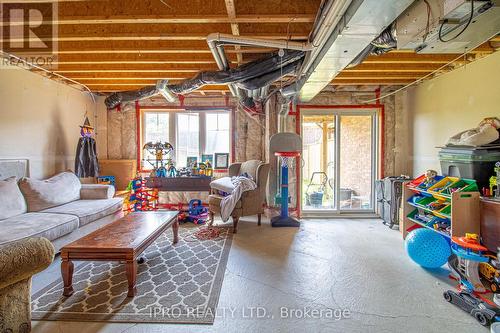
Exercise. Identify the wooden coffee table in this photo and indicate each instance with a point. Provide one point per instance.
(122, 240)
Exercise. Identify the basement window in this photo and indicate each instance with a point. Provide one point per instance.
(191, 133)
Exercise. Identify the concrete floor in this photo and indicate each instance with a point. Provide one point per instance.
(350, 265)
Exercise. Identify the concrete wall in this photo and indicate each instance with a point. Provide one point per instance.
(448, 104)
(39, 121)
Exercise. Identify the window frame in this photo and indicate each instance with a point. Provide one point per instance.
(142, 111)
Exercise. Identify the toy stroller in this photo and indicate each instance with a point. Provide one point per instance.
(315, 198)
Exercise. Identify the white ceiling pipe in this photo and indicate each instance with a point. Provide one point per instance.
(239, 40)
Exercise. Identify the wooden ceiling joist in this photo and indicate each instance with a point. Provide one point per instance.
(235, 30)
(144, 37)
(174, 19)
(160, 51)
(115, 45)
(410, 58)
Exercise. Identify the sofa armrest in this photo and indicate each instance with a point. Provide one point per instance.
(96, 191)
(22, 259)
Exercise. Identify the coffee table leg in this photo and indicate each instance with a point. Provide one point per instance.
(175, 229)
(131, 269)
(67, 275)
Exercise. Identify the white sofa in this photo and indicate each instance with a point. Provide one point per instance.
(60, 208)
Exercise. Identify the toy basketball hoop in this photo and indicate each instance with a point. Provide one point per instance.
(287, 161)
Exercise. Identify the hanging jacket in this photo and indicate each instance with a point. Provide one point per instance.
(86, 163)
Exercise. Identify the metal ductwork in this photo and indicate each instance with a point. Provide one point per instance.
(354, 30)
(448, 26)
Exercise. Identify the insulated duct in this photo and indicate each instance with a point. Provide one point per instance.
(385, 42)
(253, 75)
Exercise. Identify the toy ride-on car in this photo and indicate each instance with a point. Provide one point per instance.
(484, 313)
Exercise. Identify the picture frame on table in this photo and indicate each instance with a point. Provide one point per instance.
(221, 161)
(191, 160)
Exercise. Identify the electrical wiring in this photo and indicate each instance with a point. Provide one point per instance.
(471, 16)
(8, 55)
(416, 81)
(427, 25)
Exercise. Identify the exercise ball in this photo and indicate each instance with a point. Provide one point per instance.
(427, 248)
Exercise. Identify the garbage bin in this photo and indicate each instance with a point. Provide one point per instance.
(470, 162)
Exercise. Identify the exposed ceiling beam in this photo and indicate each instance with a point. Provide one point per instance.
(231, 13)
(379, 75)
(371, 81)
(173, 19)
(392, 67)
(160, 51)
(410, 58)
(144, 36)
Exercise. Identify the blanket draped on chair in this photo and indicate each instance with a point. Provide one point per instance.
(227, 204)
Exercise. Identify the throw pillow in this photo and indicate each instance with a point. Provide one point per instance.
(58, 190)
(12, 202)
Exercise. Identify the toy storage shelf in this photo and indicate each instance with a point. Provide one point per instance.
(458, 209)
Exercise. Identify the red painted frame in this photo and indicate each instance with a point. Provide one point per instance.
(138, 116)
(381, 147)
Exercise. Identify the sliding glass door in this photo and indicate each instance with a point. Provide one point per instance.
(339, 160)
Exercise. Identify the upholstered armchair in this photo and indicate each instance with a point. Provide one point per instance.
(251, 202)
(19, 261)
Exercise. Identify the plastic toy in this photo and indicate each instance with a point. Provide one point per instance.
(484, 313)
(106, 180)
(141, 198)
(427, 248)
(172, 171)
(287, 159)
(183, 172)
(209, 172)
(202, 167)
(161, 172)
(469, 254)
(162, 157)
(495, 182)
(490, 271)
(430, 178)
(194, 169)
(196, 213)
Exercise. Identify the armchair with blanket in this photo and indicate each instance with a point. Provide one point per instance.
(251, 202)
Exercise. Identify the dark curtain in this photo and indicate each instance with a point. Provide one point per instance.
(86, 164)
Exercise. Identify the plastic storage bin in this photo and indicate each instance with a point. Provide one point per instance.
(470, 162)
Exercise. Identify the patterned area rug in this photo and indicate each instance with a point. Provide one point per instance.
(178, 283)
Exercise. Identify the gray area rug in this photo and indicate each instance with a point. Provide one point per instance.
(178, 283)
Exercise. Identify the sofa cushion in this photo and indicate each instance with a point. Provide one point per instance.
(89, 210)
(55, 191)
(50, 226)
(96, 191)
(12, 202)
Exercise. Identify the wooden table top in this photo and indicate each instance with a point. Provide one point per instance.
(180, 184)
(128, 234)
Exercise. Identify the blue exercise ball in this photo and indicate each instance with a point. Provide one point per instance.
(427, 248)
